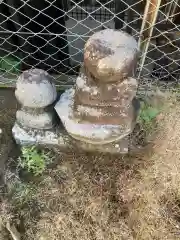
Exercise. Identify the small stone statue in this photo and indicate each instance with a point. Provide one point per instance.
(36, 93)
(102, 108)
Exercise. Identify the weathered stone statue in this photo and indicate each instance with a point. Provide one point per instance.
(102, 108)
(98, 113)
(36, 93)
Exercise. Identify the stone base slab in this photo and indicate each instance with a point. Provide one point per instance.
(57, 137)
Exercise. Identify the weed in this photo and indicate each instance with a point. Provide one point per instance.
(147, 117)
(22, 193)
(33, 160)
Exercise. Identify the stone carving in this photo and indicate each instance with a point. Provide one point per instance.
(97, 114)
(36, 93)
(100, 109)
(111, 99)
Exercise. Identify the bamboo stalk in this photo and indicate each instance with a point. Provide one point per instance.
(149, 20)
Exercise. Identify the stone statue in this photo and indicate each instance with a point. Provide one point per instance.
(36, 93)
(100, 109)
(98, 113)
(35, 121)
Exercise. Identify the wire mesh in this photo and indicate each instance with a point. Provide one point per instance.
(50, 34)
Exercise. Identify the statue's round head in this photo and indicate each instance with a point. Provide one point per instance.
(35, 89)
(111, 55)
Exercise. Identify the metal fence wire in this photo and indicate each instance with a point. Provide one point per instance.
(50, 34)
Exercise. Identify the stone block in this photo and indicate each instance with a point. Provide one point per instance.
(43, 120)
(94, 93)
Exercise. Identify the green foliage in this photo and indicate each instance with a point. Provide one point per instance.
(147, 112)
(147, 116)
(10, 64)
(34, 160)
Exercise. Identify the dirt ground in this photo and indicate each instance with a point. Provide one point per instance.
(8, 106)
(96, 197)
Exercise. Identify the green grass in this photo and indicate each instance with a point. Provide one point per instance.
(22, 193)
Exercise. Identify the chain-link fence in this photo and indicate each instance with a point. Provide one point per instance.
(50, 34)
